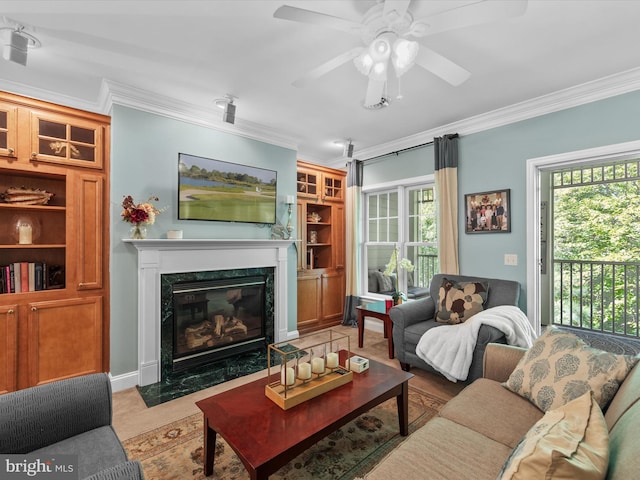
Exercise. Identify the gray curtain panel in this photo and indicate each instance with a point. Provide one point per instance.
(446, 176)
(353, 212)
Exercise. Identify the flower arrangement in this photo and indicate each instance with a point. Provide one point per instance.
(395, 264)
(139, 214)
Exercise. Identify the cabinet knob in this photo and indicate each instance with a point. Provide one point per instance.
(34, 155)
(33, 309)
(11, 151)
(10, 311)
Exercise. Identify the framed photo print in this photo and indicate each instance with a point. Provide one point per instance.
(488, 212)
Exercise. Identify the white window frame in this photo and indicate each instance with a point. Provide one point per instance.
(401, 187)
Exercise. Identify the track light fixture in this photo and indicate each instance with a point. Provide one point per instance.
(15, 44)
(226, 103)
(348, 148)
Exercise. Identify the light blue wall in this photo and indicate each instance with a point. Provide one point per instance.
(496, 159)
(144, 162)
(390, 168)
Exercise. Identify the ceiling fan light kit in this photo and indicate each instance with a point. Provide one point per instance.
(384, 30)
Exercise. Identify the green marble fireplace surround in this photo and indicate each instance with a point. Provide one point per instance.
(163, 263)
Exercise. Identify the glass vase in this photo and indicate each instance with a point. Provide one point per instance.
(138, 232)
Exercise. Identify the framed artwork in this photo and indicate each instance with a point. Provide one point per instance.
(488, 212)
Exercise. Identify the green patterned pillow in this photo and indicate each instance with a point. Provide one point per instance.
(560, 367)
(458, 302)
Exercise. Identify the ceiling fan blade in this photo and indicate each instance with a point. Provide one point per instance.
(375, 90)
(485, 11)
(397, 6)
(441, 66)
(295, 14)
(327, 67)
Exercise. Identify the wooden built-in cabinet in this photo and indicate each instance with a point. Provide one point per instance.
(321, 256)
(57, 326)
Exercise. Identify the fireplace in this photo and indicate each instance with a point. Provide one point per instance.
(216, 319)
(165, 262)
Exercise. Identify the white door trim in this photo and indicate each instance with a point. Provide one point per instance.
(619, 151)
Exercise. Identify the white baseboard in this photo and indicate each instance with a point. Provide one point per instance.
(124, 381)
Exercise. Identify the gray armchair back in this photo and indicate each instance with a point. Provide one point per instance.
(70, 417)
(412, 319)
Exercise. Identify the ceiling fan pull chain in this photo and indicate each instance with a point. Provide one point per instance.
(399, 96)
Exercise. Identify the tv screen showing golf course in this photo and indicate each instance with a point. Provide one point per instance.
(211, 189)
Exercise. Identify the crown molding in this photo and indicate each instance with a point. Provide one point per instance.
(50, 96)
(600, 89)
(112, 92)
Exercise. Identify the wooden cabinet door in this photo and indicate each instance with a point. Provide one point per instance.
(339, 236)
(67, 140)
(333, 187)
(309, 302)
(332, 296)
(9, 349)
(8, 130)
(89, 191)
(64, 339)
(308, 183)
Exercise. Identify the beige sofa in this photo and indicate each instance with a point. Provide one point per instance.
(478, 429)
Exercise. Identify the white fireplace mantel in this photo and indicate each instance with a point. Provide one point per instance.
(165, 256)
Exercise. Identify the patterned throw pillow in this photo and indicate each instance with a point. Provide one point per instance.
(385, 282)
(458, 302)
(560, 367)
(569, 442)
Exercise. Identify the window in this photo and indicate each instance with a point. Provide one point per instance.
(401, 217)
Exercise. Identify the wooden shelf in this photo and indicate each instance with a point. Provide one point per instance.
(63, 331)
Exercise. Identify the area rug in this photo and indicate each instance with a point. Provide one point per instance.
(174, 451)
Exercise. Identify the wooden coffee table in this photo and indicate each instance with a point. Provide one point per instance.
(266, 437)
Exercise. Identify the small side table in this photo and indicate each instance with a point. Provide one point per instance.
(379, 310)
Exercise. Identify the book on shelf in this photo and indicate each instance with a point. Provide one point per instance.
(38, 270)
(22, 277)
(9, 278)
(17, 276)
(32, 276)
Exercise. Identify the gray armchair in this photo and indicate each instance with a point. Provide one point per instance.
(67, 417)
(412, 319)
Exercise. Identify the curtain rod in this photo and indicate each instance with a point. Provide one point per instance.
(451, 135)
(399, 151)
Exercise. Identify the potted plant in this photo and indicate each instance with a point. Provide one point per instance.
(395, 264)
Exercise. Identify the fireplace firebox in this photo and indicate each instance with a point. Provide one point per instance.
(216, 319)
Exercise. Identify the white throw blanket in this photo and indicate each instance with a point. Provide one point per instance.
(449, 348)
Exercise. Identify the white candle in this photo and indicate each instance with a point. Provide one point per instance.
(290, 199)
(25, 234)
(304, 371)
(287, 376)
(317, 365)
(332, 360)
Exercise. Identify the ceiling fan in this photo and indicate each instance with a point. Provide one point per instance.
(386, 31)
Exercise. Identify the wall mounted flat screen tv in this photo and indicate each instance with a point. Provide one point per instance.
(221, 191)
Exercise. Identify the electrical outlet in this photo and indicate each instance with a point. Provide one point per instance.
(511, 259)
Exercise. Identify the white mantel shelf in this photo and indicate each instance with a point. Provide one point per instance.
(182, 243)
(166, 256)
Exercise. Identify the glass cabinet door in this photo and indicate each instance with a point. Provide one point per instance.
(307, 183)
(67, 141)
(8, 127)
